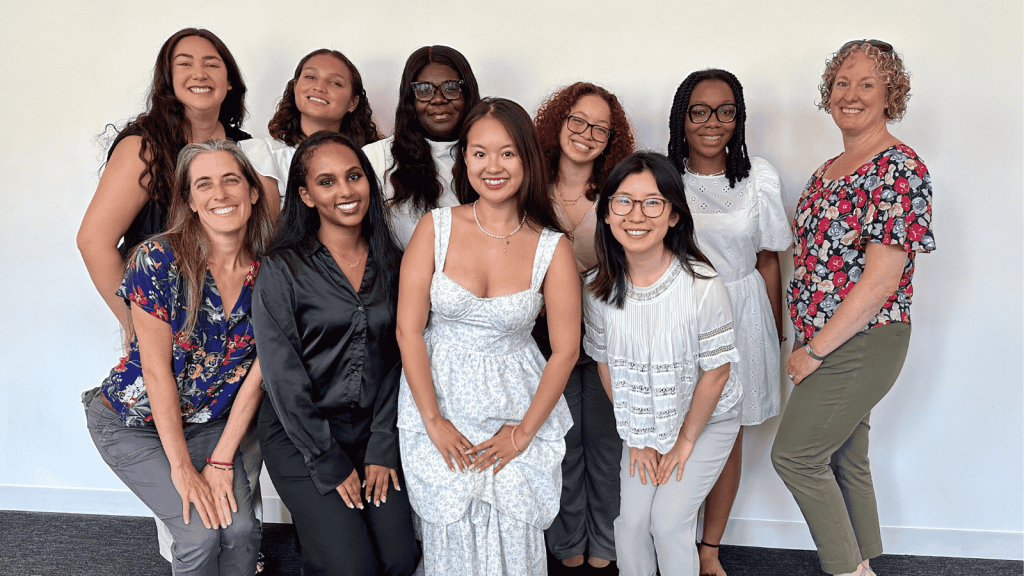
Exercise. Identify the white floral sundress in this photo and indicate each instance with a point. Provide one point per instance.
(485, 367)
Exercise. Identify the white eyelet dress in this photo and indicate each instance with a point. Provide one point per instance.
(485, 368)
(732, 226)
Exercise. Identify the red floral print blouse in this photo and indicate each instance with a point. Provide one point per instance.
(888, 200)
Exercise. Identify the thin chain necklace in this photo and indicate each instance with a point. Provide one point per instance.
(572, 202)
(502, 238)
(350, 264)
(686, 163)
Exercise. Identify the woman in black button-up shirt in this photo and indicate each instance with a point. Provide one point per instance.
(332, 366)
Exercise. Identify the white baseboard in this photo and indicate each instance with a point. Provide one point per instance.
(950, 542)
(916, 541)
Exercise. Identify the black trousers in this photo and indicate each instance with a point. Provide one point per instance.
(338, 540)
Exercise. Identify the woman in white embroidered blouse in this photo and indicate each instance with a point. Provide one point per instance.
(659, 324)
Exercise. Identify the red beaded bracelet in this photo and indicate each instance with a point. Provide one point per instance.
(228, 464)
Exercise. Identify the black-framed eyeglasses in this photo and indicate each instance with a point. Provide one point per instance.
(424, 91)
(884, 47)
(578, 125)
(650, 207)
(701, 113)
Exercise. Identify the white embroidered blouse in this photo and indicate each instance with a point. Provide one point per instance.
(656, 347)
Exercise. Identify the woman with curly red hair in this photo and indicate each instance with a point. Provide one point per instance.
(861, 220)
(326, 93)
(584, 133)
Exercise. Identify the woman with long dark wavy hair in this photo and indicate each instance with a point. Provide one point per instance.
(325, 93)
(414, 165)
(583, 133)
(741, 224)
(170, 417)
(476, 392)
(324, 314)
(197, 95)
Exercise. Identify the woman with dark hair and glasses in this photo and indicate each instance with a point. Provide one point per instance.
(741, 225)
(583, 133)
(477, 395)
(170, 417)
(326, 93)
(324, 315)
(414, 165)
(860, 221)
(659, 325)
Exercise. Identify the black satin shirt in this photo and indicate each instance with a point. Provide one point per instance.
(330, 361)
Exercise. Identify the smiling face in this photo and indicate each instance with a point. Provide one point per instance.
(336, 186)
(641, 236)
(219, 193)
(324, 91)
(493, 165)
(858, 96)
(707, 141)
(198, 74)
(440, 117)
(582, 148)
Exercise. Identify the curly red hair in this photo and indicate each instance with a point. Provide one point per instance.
(551, 118)
(888, 67)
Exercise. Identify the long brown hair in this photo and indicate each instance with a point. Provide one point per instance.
(533, 198)
(163, 126)
(188, 239)
(358, 124)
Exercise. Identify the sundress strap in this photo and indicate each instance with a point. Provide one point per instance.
(542, 257)
(442, 234)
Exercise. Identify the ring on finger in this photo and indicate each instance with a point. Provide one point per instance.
(223, 497)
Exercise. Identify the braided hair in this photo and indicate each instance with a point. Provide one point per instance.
(737, 162)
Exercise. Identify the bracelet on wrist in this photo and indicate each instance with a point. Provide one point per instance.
(214, 463)
(810, 352)
(514, 445)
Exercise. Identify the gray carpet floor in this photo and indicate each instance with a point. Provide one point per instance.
(45, 544)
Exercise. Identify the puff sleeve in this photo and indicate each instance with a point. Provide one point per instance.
(773, 228)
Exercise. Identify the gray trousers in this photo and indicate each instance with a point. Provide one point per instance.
(590, 471)
(821, 449)
(656, 529)
(136, 455)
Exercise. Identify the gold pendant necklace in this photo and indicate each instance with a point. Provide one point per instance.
(350, 264)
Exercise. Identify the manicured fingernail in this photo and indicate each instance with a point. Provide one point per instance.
(399, 488)
(377, 504)
(351, 506)
(223, 526)
(383, 499)
(364, 483)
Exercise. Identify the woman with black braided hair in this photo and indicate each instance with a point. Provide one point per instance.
(741, 226)
(414, 165)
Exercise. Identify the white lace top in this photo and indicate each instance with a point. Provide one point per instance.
(656, 347)
(405, 217)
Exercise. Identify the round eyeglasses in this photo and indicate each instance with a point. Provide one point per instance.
(424, 91)
(578, 125)
(701, 113)
(650, 207)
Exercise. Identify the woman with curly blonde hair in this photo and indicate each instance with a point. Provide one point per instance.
(861, 220)
(584, 133)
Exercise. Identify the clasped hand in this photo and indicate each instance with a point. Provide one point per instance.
(211, 492)
(649, 462)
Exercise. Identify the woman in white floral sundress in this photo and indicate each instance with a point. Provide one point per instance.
(482, 416)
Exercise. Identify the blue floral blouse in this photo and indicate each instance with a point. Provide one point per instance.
(209, 366)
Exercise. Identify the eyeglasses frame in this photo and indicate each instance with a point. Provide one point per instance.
(664, 203)
(569, 117)
(437, 89)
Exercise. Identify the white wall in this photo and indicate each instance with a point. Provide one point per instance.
(947, 442)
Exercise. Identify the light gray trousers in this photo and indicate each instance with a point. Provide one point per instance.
(137, 457)
(657, 525)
